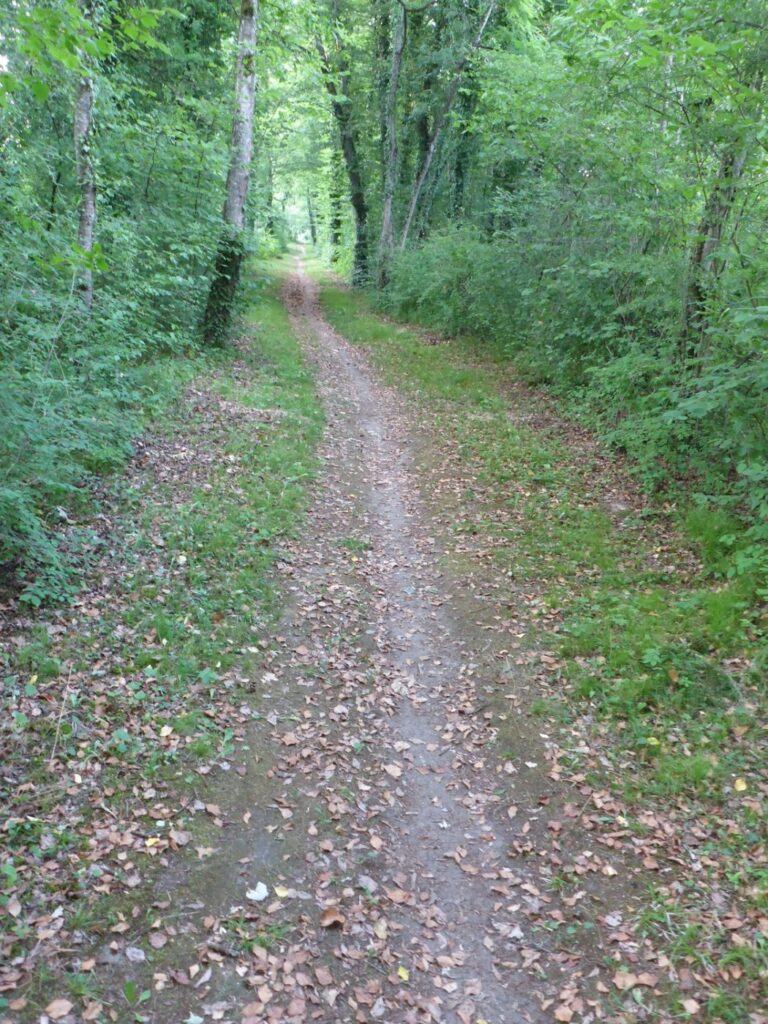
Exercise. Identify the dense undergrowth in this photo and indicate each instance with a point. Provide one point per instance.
(76, 384)
(695, 432)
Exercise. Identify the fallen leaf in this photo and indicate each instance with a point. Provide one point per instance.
(332, 918)
(58, 1008)
(398, 895)
(323, 975)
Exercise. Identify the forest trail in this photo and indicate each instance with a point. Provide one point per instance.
(374, 843)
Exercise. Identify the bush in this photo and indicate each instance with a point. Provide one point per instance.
(611, 351)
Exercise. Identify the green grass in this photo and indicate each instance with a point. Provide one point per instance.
(668, 653)
(646, 640)
(185, 616)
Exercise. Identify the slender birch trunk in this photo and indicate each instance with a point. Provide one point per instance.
(387, 238)
(86, 178)
(439, 123)
(229, 258)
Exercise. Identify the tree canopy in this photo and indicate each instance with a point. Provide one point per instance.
(581, 184)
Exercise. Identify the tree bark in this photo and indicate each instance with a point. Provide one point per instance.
(382, 36)
(704, 266)
(86, 179)
(350, 148)
(55, 182)
(312, 221)
(387, 238)
(335, 221)
(439, 123)
(270, 225)
(229, 258)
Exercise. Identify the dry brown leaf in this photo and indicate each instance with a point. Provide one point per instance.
(624, 981)
(58, 1009)
(332, 917)
(398, 895)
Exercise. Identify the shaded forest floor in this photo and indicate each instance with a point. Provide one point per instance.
(481, 741)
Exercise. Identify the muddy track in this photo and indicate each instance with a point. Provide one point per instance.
(372, 810)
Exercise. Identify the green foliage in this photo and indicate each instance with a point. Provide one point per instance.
(607, 245)
(75, 389)
(673, 652)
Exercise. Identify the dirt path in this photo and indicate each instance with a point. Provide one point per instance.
(371, 863)
(439, 850)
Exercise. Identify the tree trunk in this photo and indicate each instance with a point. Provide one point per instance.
(387, 238)
(439, 123)
(229, 258)
(270, 225)
(55, 182)
(462, 159)
(382, 34)
(337, 172)
(86, 181)
(704, 266)
(312, 222)
(342, 112)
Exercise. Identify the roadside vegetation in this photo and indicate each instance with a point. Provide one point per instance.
(654, 656)
(117, 707)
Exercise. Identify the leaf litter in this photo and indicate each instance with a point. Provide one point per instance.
(379, 858)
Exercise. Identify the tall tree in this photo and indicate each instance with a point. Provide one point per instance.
(706, 265)
(387, 238)
(229, 257)
(84, 168)
(336, 191)
(439, 123)
(336, 72)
